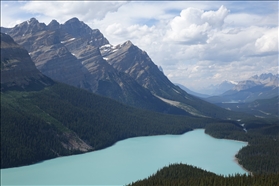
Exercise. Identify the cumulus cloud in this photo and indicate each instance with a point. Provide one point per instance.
(268, 43)
(194, 25)
(215, 18)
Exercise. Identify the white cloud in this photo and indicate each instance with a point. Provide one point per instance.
(215, 18)
(268, 43)
(194, 25)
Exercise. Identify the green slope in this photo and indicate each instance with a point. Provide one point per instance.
(181, 174)
(264, 108)
(62, 120)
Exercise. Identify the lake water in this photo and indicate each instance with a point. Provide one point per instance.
(130, 160)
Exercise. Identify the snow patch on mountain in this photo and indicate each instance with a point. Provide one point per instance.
(68, 40)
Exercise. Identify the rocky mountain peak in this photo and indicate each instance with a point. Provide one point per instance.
(263, 77)
(53, 25)
(28, 27)
(76, 28)
(73, 20)
(128, 43)
(33, 21)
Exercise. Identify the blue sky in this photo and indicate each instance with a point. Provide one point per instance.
(196, 43)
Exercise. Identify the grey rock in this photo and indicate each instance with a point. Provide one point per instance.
(17, 69)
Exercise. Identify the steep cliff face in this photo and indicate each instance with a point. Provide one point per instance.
(17, 69)
(75, 54)
(69, 53)
(53, 59)
(130, 59)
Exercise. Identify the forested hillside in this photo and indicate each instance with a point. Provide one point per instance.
(181, 175)
(61, 120)
(264, 108)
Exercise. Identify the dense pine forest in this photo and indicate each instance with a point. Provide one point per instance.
(36, 125)
(181, 175)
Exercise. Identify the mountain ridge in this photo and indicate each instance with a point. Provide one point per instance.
(77, 61)
(125, 72)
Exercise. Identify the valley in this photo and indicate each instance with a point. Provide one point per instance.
(66, 90)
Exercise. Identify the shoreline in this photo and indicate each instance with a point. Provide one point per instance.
(237, 162)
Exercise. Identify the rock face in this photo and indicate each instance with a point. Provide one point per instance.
(17, 69)
(75, 54)
(69, 53)
(129, 59)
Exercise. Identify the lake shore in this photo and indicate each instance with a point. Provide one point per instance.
(236, 160)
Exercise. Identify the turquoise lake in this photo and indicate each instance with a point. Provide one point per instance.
(130, 160)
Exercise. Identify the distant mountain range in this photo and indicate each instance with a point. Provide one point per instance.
(257, 87)
(77, 55)
(218, 89)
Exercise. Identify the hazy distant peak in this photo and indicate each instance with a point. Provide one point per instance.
(266, 79)
(264, 76)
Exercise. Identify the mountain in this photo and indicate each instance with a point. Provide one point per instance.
(75, 54)
(192, 92)
(266, 80)
(257, 87)
(52, 119)
(218, 89)
(14, 73)
(69, 53)
(130, 59)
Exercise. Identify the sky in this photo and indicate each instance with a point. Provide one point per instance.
(197, 43)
